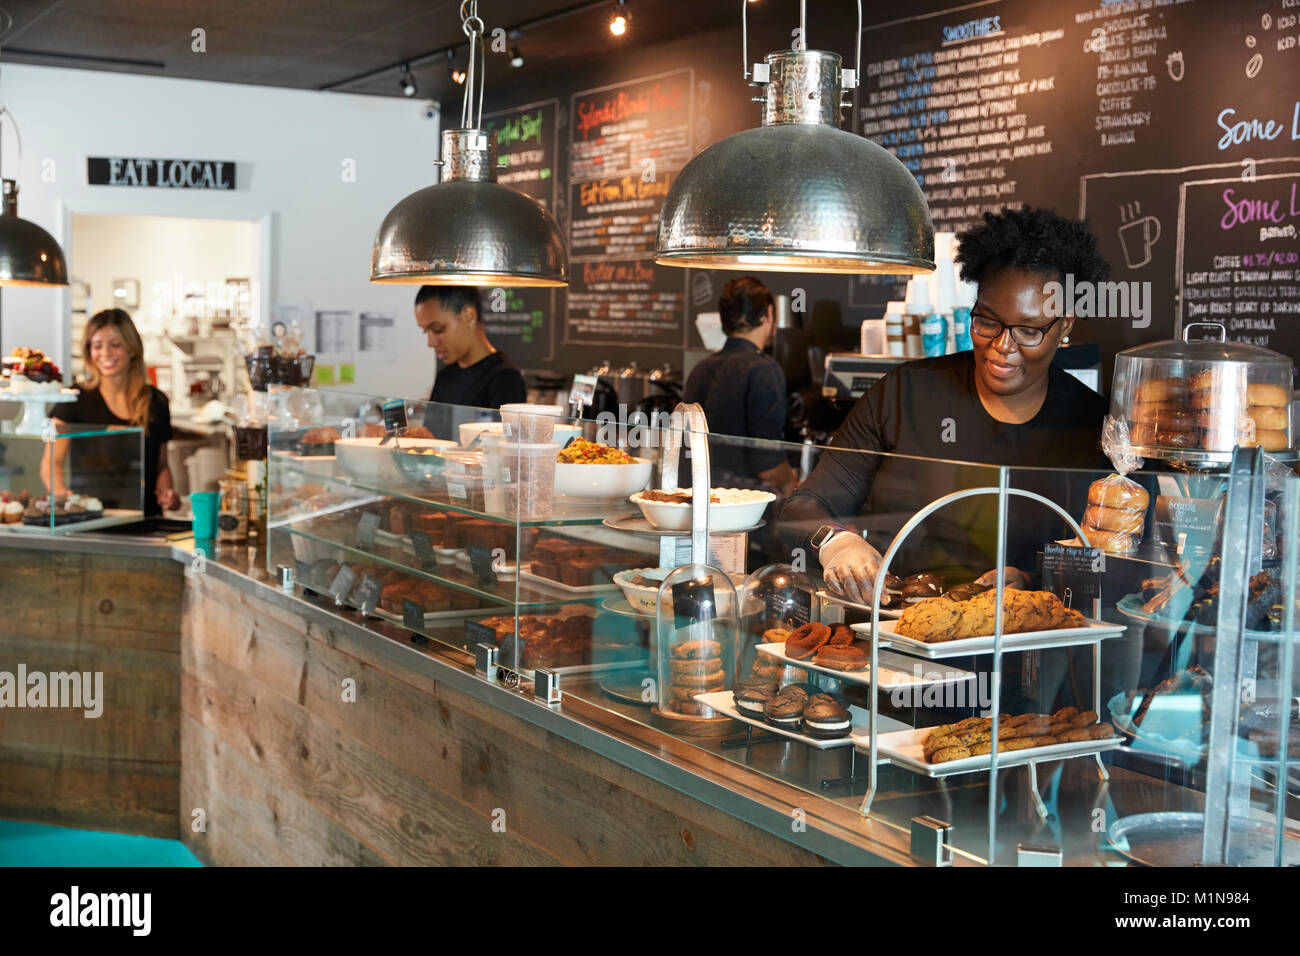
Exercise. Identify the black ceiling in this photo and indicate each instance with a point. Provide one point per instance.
(353, 46)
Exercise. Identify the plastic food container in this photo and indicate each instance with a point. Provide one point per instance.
(530, 423)
(1196, 401)
(528, 474)
(463, 472)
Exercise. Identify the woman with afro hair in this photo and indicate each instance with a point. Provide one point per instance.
(1003, 403)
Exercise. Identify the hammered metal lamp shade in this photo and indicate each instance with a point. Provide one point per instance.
(797, 194)
(28, 254)
(469, 230)
(797, 198)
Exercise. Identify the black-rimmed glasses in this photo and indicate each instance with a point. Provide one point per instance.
(1027, 336)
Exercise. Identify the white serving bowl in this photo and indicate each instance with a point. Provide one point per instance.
(723, 517)
(601, 481)
(644, 598)
(365, 460)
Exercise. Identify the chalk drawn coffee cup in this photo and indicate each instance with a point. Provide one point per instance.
(1137, 238)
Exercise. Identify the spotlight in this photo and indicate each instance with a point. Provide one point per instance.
(457, 76)
(407, 81)
(618, 23)
(516, 58)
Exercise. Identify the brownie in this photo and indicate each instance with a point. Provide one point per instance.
(556, 550)
(489, 535)
(585, 572)
(431, 521)
(547, 569)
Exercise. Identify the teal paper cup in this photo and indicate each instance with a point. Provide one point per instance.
(204, 506)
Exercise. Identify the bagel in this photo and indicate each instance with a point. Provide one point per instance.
(1160, 390)
(1274, 395)
(1269, 417)
(1113, 519)
(1117, 492)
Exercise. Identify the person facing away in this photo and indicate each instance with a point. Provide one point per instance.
(742, 391)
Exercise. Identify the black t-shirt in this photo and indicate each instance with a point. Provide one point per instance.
(489, 383)
(742, 392)
(930, 408)
(96, 463)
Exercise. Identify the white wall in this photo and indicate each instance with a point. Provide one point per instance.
(290, 147)
(163, 254)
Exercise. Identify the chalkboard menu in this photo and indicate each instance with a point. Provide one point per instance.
(628, 142)
(1244, 268)
(1139, 115)
(521, 322)
(1173, 126)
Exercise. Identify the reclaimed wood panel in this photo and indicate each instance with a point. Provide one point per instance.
(409, 731)
(117, 615)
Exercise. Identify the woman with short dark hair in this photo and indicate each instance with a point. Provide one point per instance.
(1002, 403)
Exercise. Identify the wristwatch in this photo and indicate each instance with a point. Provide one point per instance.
(823, 535)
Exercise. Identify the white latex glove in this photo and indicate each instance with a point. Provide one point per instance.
(849, 566)
(1015, 578)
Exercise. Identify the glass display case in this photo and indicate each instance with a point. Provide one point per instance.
(1112, 708)
(71, 478)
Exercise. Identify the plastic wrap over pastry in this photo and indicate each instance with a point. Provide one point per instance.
(1116, 515)
(1117, 443)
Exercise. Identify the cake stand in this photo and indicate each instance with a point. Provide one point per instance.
(32, 420)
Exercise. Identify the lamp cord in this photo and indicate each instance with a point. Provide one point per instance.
(473, 28)
(803, 38)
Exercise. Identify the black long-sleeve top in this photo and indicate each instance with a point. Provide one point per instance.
(930, 409)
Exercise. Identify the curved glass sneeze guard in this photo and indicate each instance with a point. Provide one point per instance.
(1105, 670)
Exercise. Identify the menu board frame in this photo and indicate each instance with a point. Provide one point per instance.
(545, 298)
(639, 265)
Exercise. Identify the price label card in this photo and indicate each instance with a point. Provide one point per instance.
(789, 608)
(412, 614)
(583, 390)
(423, 545)
(302, 571)
(476, 634)
(366, 531)
(365, 595)
(481, 561)
(341, 586)
(694, 601)
(1074, 574)
(394, 414)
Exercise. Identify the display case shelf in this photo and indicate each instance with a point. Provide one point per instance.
(506, 594)
(566, 513)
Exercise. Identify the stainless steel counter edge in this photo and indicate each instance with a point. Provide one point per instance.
(553, 720)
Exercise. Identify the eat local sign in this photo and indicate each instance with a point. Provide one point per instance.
(165, 173)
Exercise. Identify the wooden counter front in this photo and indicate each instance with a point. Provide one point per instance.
(119, 615)
(412, 771)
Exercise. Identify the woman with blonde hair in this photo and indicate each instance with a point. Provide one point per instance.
(116, 391)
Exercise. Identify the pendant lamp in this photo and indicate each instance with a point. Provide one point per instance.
(798, 194)
(28, 254)
(469, 229)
